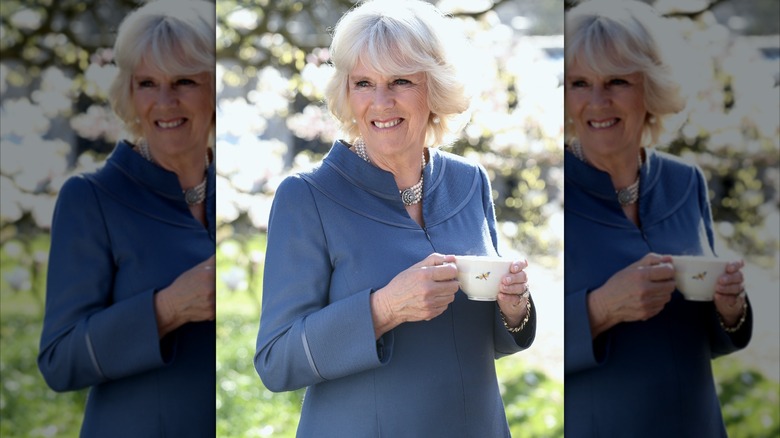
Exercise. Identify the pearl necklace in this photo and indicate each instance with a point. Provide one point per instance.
(409, 196)
(626, 196)
(193, 195)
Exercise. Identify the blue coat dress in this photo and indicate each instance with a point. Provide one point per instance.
(118, 236)
(651, 378)
(339, 233)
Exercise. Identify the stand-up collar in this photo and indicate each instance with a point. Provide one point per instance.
(151, 176)
(344, 177)
(665, 185)
(372, 179)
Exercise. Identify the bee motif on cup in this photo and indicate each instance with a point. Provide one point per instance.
(700, 275)
(483, 276)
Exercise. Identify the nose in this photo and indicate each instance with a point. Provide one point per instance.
(166, 97)
(382, 98)
(599, 97)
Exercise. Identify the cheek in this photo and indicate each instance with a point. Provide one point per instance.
(139, 101)
(573, 100)
(419, 100)
(357, 103)
(208, 104)
(638, 107)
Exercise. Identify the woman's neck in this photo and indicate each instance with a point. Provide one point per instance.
(622, 167)
(406, 167)
(188, 166)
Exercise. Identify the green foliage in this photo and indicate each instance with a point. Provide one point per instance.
(750, 401)
(245, 407)
(533, 401)
(28, 407)
(23, 260)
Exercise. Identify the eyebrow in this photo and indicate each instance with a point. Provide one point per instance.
(173, 78)
(391, 77)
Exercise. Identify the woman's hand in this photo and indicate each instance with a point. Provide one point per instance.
(635, 293)
(190, 298)
(730, 294)
(420, 293)
(510, 296)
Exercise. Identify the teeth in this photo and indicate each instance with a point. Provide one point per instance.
(388, 124)
(169, 125)
(603, 124)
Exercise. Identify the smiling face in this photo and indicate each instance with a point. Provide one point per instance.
(175, 112)
(608, 111)
(391, 111)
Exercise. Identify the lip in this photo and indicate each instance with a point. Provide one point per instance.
(170, 123)
(603, 123)
(388, 123)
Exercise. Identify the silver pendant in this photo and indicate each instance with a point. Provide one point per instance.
(624, 197)
(407, 196)
(192, 196)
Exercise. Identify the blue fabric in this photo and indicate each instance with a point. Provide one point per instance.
(651, 378)
(118, 236)
(335, 235)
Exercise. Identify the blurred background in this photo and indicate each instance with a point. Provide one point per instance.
(272, 65)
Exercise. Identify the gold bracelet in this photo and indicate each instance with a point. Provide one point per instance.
(739, 323)
(527, 296)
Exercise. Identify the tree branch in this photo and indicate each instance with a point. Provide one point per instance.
(496, 4)
(694, 15)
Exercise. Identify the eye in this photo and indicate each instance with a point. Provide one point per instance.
(185, 81)
(362, 84)
(618, 81)
(145, 83)
(402, 81)
(578, 83)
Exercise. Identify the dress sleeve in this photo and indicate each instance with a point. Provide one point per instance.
(510, 343)
(506, 343)
(721, 342)
(303, 338)
(88, 338)
(582, 352)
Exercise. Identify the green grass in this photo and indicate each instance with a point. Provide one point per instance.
(28, 407)
(750, 401)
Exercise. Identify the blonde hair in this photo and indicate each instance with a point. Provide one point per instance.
(177, 37)
(616, 38)
(400, 37)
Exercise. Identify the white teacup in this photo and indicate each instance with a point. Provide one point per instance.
(480, 276)
(696, 276)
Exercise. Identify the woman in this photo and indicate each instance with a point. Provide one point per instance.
(131, 290)
(637, 354)
(360, 302)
